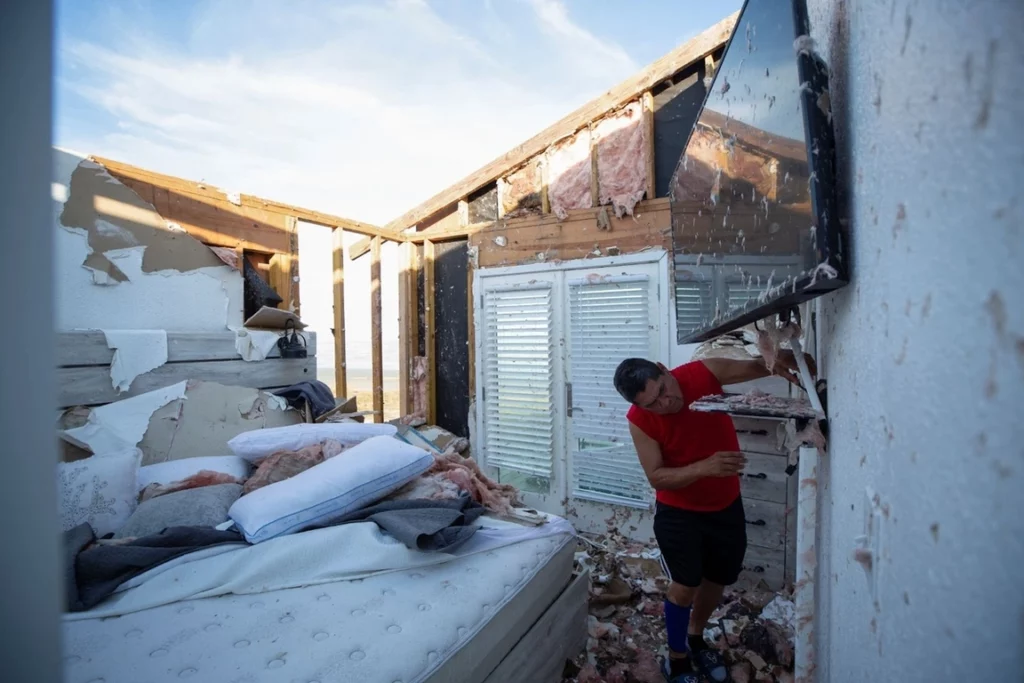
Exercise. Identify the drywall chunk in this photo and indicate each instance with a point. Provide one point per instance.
(136, 352)
(123, 424)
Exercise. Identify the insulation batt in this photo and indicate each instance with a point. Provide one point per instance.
(570, 174)
(286, 464)
(450, 475)
(621, 167)
(197, 480)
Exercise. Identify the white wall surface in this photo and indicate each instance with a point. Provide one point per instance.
(924, 351)
(204, 299)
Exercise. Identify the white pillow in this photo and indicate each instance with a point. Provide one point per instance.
(355, 479)
(260, 443)
(100, 490)
(176, 470)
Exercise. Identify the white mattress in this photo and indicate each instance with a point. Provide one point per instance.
(432, 623)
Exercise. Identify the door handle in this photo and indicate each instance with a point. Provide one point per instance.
(757, 522)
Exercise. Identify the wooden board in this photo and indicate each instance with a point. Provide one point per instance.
(213, 196)
(560, 634)
(85, 348)
(92, 386)
(360, 248)
(430, 335)
(648, 105)
(577, 237)
(376, 342)
(340, 361)
(692, 51)
(406, 328)
(213, 220)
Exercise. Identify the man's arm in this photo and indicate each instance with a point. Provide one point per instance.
(721, 464)
(729, 371)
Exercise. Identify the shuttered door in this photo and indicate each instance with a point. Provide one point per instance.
(609, 320)
(695, 304)
(518, 374)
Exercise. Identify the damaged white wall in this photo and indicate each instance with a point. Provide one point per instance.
(924, 351)
(181, 288)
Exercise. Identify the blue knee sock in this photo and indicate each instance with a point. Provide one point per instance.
(677, 620)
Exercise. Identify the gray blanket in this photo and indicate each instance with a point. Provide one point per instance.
(431, 525)
(93, 573)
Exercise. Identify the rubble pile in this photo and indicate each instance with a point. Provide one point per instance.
(626, 633)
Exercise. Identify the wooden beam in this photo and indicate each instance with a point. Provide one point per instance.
(428, 300)
(360, 248)
(293, 266)
(377, 345)
(406, 332)
(471, 329)
(239, 201)
(648, 105)
(463, 212)
(502, 188)
(340, 370)
(665, 67)
(450, 234)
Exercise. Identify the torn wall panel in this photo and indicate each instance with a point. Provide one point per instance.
(133, 298)
(621, 140)
(521, 195)
(116, 218)
(569, 174)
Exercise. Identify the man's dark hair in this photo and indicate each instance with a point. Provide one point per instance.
(632, 375)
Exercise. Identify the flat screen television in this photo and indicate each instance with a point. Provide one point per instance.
(755, 229)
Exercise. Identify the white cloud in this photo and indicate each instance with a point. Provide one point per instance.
(361, 110)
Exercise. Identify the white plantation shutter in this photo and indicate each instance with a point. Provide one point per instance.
(609, 320)
(518, 374)
(695, 304)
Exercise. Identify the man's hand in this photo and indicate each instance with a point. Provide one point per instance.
(786, 367)
(723, 464)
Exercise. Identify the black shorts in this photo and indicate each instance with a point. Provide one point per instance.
(702, 545)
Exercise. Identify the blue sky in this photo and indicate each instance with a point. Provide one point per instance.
(361, 109)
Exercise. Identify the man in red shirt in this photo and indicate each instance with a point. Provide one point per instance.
(693, 461)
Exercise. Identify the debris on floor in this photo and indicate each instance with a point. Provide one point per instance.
(754, 627)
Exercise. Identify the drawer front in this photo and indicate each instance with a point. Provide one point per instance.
(766, 523)
(761, 564)
(764, 478)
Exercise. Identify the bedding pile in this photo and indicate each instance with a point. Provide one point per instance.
(124, 518)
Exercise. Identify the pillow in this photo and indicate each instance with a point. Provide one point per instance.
(355, 479)
(260, 443)
(177, 470)
(207, 506)
(101, 490)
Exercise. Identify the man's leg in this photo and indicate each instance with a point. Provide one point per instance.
(678, 615)
(707, 597)
(680, 544)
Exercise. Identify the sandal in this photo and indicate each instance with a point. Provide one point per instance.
(710, 662)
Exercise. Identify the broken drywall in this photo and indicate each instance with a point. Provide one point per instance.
(136, 352)
(621, 140)
(116, 218)
(185, 420)
(118, 288)
(209, 414)
(123, 424)
(569, 174)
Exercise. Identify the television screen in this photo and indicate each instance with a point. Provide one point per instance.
(754, 224)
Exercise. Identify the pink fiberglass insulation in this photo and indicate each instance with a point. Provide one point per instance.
(451, 474)
(569, 174)
(521, 195)
(621, 159)
(197, 480)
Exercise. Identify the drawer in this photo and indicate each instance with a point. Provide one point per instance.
(764, 478)
(760, 435)
(766, 523)
(762, 564)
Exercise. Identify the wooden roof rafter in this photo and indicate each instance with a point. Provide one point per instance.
(690, 52)
(211, 194)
